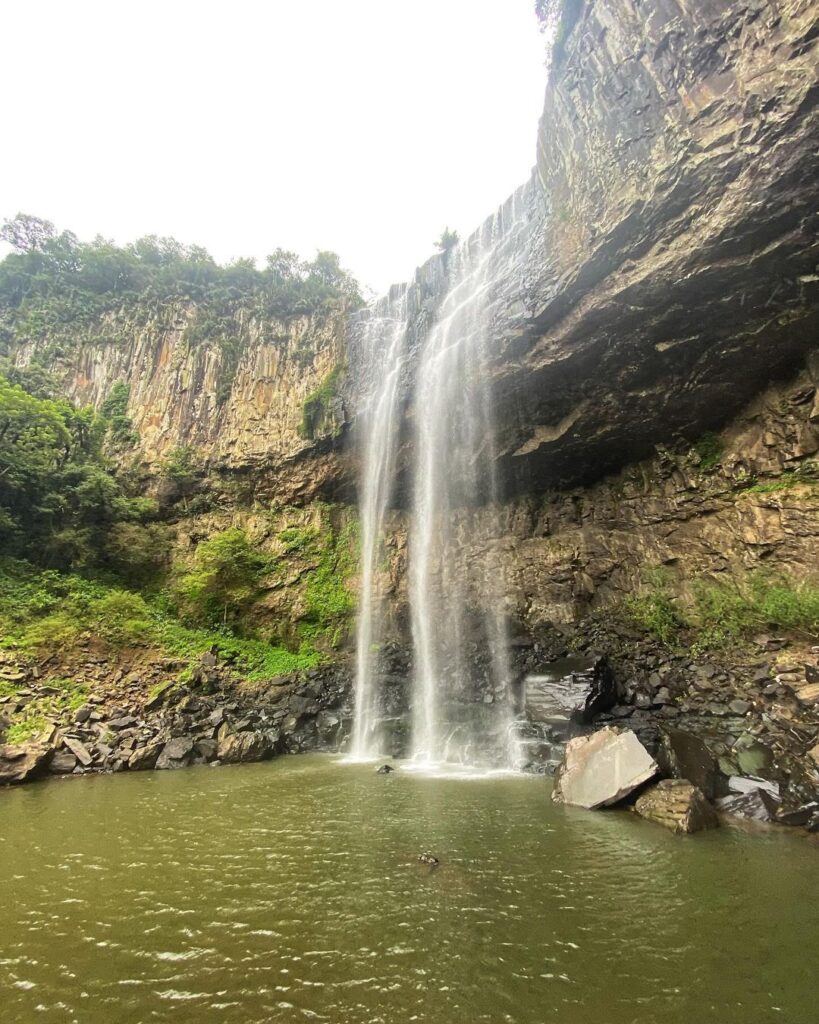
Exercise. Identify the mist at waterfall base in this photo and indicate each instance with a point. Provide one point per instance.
(452, 452)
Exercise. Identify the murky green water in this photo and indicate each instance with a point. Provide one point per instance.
(290, 891)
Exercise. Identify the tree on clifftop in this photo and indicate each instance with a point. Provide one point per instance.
(448, 240)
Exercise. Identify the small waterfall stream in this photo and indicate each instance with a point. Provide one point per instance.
(452, 444)
(385, 345)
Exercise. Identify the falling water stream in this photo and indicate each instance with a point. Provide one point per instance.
(385, 343)
(452, 445)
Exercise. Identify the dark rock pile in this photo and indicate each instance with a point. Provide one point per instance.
(741, 725)
(213, 718)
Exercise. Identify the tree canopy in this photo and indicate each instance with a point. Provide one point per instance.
(53, 281)
(58, 495)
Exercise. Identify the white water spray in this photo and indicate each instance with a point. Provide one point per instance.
(384, 343)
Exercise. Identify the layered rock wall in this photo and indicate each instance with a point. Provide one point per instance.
(239, 406)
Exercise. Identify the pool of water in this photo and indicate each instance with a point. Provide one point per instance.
(291, 891)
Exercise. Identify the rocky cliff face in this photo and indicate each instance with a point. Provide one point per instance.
(674, 272)
(665, 270)
(266, 403)
(743, 501)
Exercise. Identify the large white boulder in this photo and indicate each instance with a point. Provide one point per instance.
(603, 768)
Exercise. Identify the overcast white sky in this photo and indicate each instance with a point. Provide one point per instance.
(363, 126)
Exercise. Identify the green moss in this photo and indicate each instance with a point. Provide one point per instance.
(329, 601)
(317, 407)
(654, 608)
(115, 410)
(709, 448)
(806, 475)
(298, 538)
(722, 614)
(23, 731)
(37, 606)
(36, 715)
(254, 659)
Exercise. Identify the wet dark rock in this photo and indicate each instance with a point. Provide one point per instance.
(63, 762)
(385, 769)
(176, 753)
(205, 749)
(570, 690)
(798, 816)
(684, 755)
(428, 858)
(758, 805)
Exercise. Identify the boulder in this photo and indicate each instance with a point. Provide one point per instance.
(741, 784)
(63, 762)
(145, 757)
(122, 723)
(176, 753)
(158, 696)
(79, 750)
(677, 805)
(756, 804)
(603, 768)
(22, 762)
(685, 756)
(233, 748)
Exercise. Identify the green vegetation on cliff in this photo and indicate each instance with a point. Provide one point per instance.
(59, 499)
(43, 610)
(317, 407)
(719, 614)
(84, 559)
(223, 580)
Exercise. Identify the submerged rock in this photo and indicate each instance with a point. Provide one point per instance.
(602, 769)
(677, 805)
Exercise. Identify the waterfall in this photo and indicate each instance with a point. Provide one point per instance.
(383, 345)
(454, 471)
(461, 710)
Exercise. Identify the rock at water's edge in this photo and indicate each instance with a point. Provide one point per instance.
(756, 804)
(685, 756)
(20, 763)
(601, 769)
(677, 805)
